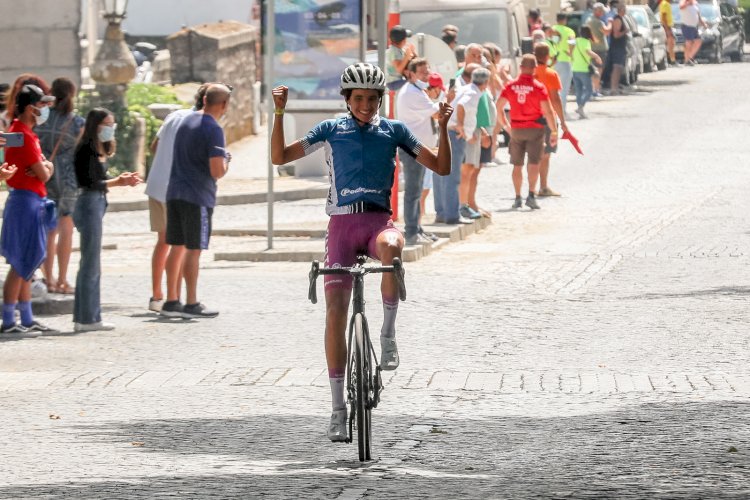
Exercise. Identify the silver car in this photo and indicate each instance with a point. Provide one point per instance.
(653, 38)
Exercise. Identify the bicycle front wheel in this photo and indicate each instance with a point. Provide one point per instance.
(362, 365)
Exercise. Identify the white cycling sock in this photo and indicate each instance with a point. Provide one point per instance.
(336, 379)
(389, 319)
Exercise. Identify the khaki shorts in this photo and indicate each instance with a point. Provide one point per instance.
(157, 212)
(525, 141)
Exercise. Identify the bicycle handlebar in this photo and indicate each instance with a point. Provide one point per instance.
(396, 268)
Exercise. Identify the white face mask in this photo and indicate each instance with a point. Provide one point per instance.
(42, 116)
(422, 85)
(106, 133)
(556, 39)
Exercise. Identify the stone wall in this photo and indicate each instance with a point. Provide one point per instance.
(40, 36)
(220, 52)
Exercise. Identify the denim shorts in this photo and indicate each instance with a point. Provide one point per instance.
(65, 198)
(690, 33)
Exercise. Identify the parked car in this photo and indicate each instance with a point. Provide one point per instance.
(652, 33)
(724, 37)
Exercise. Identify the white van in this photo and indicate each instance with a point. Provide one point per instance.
(502, 22)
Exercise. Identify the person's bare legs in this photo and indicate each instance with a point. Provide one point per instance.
(337, 311)
(12, 287)
(190, 269)
(473, 182)
(64, 249)
(544, 172)
(517, 179)
(174, 271)
(670, 48)
(533, 171)
(423, 203)
(614, 81)
(48, 266)
(463, 188)
(158, 263)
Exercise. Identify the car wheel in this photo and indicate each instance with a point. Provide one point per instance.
(662, 65)
(739, 55)
(650, 62)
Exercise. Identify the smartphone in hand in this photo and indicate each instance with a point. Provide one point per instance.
(13, 140)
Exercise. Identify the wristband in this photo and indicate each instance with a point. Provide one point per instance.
(278, 111)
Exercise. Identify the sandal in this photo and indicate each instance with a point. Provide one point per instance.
(50, 287)
(65, 288)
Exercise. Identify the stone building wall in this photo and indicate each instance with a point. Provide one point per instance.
(220, 52)
(40, 36)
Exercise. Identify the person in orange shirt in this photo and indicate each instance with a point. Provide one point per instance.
(551, 81)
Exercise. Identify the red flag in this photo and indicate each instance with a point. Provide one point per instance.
(567, 135)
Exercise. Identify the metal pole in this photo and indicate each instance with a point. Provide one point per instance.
(363, 30)
(381, 25)
(270, 54)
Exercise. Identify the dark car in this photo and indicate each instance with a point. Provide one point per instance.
(654, 49)
(724, 37)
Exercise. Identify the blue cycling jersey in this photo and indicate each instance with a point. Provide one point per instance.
(361, 160)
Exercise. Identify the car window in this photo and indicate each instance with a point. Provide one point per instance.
(640, 16)
(709, 12)
(652, 17)
(487, 25)
(724, 9)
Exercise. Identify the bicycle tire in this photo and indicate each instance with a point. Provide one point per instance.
(362, 382)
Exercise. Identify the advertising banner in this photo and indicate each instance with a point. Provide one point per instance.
(315, 41)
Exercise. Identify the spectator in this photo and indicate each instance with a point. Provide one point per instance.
(538, 36)
(471, 166)
(534, 20)
(582, 57)
(156, 189)
(24, 79)
(551, 81)
(28, 214)
(667, 21)
(587, 12)
(199, 161)
(473, 55)
(460, 52)
(4, 121)
(461, 128)
(59, 137)
(96, 146)
(529, 104)
(450, 35)
(397, 57)
(565, 39)
(611, 13)
(416, 110)
(618, 48)
(599, 44)
(436, 92)
(690, 15)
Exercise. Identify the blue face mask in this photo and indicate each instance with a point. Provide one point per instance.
(106, 133)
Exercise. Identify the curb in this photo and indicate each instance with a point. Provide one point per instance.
(231, 199)
(447, 234)
(53, 305)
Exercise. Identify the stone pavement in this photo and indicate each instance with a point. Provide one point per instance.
(596, 348)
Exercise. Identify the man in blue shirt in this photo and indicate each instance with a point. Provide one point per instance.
(361, 150)
(199, 159)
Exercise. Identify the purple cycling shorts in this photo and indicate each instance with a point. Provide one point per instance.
(350, 235)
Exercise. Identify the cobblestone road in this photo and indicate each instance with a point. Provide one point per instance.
(595, 348)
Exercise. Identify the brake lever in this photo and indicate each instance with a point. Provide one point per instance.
(312, 294)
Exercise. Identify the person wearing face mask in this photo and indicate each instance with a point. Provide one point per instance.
(28, 214)
(97, 144)
(200, 159)
(156, 189)
(416, 110)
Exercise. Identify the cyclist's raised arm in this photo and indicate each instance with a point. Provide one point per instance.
(440, 163)
(280, 152)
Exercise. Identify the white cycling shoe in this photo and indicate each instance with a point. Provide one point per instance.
(337, 428)
(388, 353)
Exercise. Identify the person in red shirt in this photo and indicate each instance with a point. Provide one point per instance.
(530, 111)
(23, 238)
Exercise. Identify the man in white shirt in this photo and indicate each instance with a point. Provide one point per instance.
(416, 110)
(156, 189)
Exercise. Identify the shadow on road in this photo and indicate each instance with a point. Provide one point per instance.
(687, 449)
(710, 292)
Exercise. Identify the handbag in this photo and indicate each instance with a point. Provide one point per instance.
(592, 69)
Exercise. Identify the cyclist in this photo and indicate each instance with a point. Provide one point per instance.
(361, 150)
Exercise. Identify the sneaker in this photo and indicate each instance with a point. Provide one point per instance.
(99, 326)
(173, 309)
(337, 427)
(14, 328)
(531, 203)
(388, 353)
(418, 239)
(581, 113)
(198, 311)
(460, 220)
(691, 62)
(430, 236)
(518, 203)
(155, 304)
(468, 212)
(36, 326)
(547, 192)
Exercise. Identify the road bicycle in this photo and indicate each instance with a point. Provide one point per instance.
(364, 382)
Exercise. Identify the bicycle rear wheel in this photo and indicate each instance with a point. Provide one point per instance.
(362, 366)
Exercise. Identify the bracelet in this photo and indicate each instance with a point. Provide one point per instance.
(278, 111)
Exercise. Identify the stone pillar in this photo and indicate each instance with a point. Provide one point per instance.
(220, 52)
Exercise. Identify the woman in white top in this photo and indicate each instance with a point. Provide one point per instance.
(690, 16)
